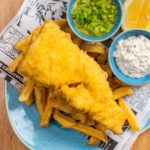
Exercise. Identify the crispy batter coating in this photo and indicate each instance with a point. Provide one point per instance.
(52, 59)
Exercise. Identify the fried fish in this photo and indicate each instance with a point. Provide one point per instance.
(52, 59)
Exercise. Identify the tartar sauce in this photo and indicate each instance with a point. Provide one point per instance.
(133, 56)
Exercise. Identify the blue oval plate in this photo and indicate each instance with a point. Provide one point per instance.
(25, 122)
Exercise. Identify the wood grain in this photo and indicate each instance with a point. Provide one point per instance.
(8, 140)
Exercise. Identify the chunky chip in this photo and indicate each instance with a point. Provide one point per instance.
(27, 91)
(99, 49)
(133, 122)
(46, 114)
(68, 122)
(121, 92)
(14, 65)
(40, 98)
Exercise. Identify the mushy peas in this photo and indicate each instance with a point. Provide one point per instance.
(95, 17)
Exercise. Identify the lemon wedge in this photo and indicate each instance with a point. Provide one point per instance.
(136, 14)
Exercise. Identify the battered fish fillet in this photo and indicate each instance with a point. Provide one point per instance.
(103, 111)
(52, 59)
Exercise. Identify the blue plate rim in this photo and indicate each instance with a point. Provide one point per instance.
(10, 120)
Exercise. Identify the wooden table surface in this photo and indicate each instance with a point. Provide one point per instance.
(8, 140)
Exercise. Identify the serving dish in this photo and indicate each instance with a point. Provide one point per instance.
(94, 39)
(25, 123)
(112, 62)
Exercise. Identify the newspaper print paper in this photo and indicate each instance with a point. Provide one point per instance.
(32, 14)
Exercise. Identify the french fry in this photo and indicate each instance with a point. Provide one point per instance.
(20, 90)
(77, 41)
(27, 91)
(65, 121)
(79, 116)
(23, 44)
(99, 43)
(40, 98)
(107, 69)
(121, 92)
(68, 30)
(93, 55)
(93, 48)
(59, 103)
(113, 85)
(14, 65)
(68, 122)
(101, 59)
(90, 131)
(94, 141)
(46, 115)
(62, 23)
(62, 105)
(30, 100)
(133, 122)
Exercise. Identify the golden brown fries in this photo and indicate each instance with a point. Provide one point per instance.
(65, 121)
(90, 131)
(30, 100)
(62, 23)
(46, 114)
(27, 91)
(68, 30)
(113, 85)
(107, 69)
(121, 92)
(14, 65)
(77, 41)
(99, 49)
(40, 98)
(68, 122)
(133, 122)
(23, 45)
(101, 59)
(94, 141)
